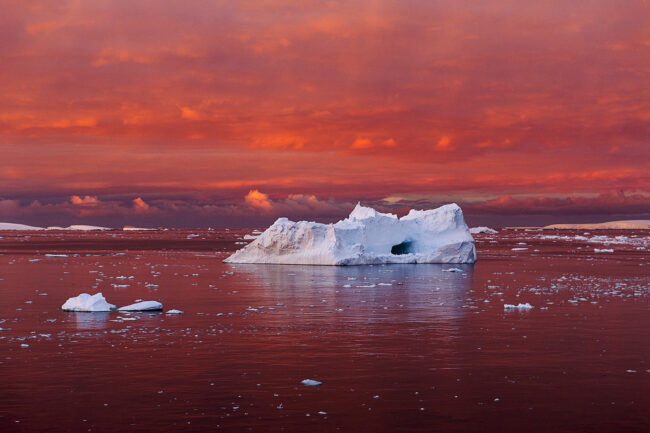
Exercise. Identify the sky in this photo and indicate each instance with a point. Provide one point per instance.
(233, 113)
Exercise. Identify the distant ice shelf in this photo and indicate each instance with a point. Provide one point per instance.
(366, 237)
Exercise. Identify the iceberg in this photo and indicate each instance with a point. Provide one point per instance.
(79, 227)
(365, 237)
(87, 303)
(482, 229)
(143, 306)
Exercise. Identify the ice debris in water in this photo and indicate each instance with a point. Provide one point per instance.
(311, 382)
(526, 306)
(452, 270)
(366, 237)
(87, 303)
(143, 306)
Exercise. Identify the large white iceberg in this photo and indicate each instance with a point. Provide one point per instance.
(87, 303)
(366, 237)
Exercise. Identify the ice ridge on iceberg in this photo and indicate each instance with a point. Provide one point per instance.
(366, 237)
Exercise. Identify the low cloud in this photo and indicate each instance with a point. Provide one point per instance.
(85, 201)
(258, 200)
(140, 205)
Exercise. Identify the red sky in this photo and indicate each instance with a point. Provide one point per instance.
(218, 113)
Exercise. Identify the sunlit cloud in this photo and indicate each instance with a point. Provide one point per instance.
(84, 201)
(258, 200)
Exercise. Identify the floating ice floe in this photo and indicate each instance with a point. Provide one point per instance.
(311, 382)
(452, 270)
(521, 307)
(88, 303)
(482, 229)
(366, 237)
(143, 306)
(603, 250)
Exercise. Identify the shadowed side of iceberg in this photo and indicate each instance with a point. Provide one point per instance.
(365, 237)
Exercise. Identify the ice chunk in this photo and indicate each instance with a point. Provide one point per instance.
(452, 270)
(366, 237)
(87, 303)
(143, 306)
(482, 229)
(173, 312)
(311, 382)
(603, 250)
(520, 307)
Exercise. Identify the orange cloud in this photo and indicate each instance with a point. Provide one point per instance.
(444, 144)
(85, 201)
(362, 143)
(140, 206)
(258, 200)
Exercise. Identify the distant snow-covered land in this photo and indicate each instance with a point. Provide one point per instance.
(12, 226)
(80, 227)
(611, 225)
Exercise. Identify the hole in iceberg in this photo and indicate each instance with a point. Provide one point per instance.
(405, 247)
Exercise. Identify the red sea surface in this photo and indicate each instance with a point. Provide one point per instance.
(398, 348)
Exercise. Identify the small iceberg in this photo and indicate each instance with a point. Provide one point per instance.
(143, 306)
(311, 382)
(173, 312)
(482, 230)
(366, 237)
(88, 303)
(520, 307)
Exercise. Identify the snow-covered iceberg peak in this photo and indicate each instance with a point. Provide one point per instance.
(366, 237)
